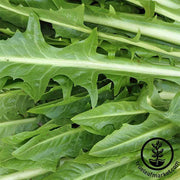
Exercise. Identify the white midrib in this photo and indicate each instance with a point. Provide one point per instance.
(167, 95)
(138, 44)
(111, 115)
(46, 20)
(151, 31)
(168, 3)
(100, 34)
(105, 168)
(97, 65)
(169, 14)
(53, 138)
(23, 121)
(132, 139)
(98, 170)
(24, 174)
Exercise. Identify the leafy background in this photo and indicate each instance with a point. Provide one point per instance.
(84, 84)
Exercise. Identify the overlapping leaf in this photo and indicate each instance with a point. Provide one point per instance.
(55, 144)
(108, 117)
(136, 54)
(25, 62)
(70, 24)
(130, 137)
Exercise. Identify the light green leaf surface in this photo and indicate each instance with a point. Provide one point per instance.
(21, 175)
(108, 117)
(26, 63)
(39, 62)
(54, 66)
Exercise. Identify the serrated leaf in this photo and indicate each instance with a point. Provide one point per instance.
(41, 62)
(69, 27)
(87, 63)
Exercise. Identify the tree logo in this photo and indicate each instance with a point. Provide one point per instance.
(157, 153)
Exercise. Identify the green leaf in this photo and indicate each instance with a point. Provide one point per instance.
(108, 117)
(24, 174)
(130, 138)
(44, 4)
(19, 165)
(85, 157)
(61, 109)
(7, 161)
(36, 85)
(75, 171)
(25, 62)
(72, 25)
(134, 23)
(61, 142)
